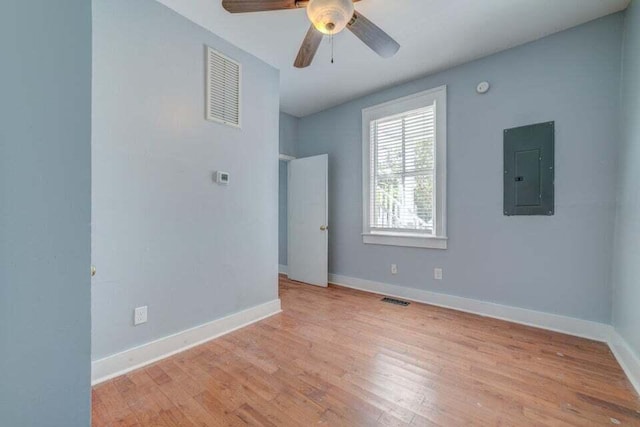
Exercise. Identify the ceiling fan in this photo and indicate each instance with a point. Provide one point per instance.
(327, 17)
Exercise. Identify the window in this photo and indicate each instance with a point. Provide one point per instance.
(223, 89)
(404, 171)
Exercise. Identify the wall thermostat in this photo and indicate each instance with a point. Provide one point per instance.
(483, 87)
(221, 178)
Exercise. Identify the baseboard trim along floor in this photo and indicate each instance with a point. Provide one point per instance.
(128, 360)
(137, 357)
(567, 325)
(626, 358)
(553, 322)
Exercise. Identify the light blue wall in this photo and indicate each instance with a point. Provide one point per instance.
(45, 211)
(164, 235)
(557, 264)
(626, 268)
(288, 142)
(288, 134)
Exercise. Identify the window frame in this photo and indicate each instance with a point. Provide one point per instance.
(438, 240)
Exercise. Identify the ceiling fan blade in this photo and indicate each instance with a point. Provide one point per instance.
(242, 6)
(309, 48)
(379, 41)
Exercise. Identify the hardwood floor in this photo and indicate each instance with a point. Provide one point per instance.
(341, 357)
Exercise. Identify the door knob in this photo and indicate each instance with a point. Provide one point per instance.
(324, 227)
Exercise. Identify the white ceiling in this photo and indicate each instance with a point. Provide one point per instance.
(434, 35)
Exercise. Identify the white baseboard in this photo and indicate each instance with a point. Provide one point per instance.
(283, 269)
(603, 332)
(626, 358)
(554, 322)
(137, 357)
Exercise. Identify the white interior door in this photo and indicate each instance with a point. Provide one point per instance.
(308, 213)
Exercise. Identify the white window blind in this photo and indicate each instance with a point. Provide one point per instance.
(223, 89)
(404, 159)
(403, 172)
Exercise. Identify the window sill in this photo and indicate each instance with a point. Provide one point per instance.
(412, 241)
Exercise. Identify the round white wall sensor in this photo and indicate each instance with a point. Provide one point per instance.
(483, 87)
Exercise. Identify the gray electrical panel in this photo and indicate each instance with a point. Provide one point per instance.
(529, 170)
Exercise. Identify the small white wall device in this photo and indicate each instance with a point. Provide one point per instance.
(483, 87)
(221, 178)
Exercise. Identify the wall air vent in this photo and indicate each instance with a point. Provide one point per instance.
(223, 88)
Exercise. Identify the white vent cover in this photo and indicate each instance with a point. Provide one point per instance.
(223, 89)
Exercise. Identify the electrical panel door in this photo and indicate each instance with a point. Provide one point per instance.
(529, 170)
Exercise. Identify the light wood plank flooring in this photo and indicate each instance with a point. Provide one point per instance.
(341, 357)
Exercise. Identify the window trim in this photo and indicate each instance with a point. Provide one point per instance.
(390, 108)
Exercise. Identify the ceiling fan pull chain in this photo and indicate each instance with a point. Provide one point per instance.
(332, 48)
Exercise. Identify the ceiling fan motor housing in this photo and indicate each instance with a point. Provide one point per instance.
(330, 16)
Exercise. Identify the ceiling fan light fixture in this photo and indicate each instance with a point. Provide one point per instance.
(330, 16)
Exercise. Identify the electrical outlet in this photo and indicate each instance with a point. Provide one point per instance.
(437, 273)
(140, 315)
(394, 269)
